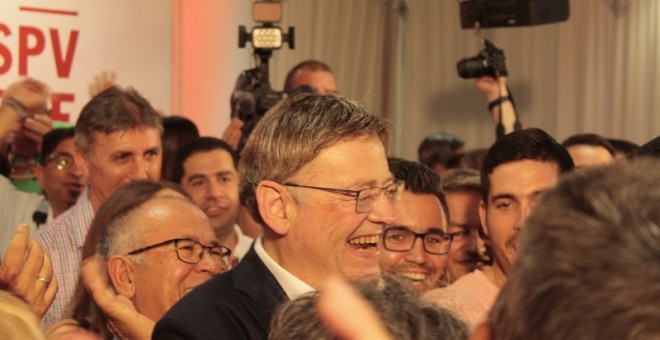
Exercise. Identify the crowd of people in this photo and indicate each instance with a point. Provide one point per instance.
(143, 229)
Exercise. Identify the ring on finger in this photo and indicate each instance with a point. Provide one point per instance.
(43, 279)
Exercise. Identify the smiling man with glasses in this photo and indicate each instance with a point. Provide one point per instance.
(59, 175)
(159, 251)
(314, 174)
(60, 180)
(417, 243)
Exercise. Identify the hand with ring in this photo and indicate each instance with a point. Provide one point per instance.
(28, 271)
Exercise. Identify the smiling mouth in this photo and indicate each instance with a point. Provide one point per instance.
(366, 243)
(413, 276)
(214, 211)
(74, 188)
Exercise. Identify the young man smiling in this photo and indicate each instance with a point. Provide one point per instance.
(416, 245)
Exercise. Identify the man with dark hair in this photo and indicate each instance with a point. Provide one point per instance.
(589, 149)
(436, 150)
(421, 214)
(61, 183)
(58, 175)
(517, 169)
(314, 174)
(206, 169)
(313, 74)
(462, 188)
(589, 262)
(117, 140)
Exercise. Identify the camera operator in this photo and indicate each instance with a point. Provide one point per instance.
(311, 75)
(307, 76)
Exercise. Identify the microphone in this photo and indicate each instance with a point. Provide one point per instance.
(41, 214)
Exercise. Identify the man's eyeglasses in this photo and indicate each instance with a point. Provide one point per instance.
(61, 161)
(400, 239)
(191, 251)
(365, 199)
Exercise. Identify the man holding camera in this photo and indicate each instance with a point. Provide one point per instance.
(309, 76)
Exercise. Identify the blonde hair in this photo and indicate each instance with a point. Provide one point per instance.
(17, 321)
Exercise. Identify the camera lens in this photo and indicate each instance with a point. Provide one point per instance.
(473, 67)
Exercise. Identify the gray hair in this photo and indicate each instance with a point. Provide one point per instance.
(294, 133)
(114, 110)
(404, 314)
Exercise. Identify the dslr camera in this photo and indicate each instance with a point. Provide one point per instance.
(489, 62)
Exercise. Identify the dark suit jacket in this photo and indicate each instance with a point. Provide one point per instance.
(234, 305)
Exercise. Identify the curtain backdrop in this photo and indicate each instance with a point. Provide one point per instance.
(597, 72)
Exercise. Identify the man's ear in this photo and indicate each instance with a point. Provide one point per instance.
(483, 210)
(482, 332)
(81, 162)
(121, 275)
(275, 206)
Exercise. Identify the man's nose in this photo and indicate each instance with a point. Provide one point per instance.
(417, 254)
(383, 212)
(214, 189)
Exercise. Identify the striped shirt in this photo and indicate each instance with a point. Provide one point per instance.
(63, 239)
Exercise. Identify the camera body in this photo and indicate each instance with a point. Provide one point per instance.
(251, 98)
(489, 62)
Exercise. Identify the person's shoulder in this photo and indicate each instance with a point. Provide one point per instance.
(461, 289)
(65, 221)
(210, 309)
(216, 293)
(48, 232)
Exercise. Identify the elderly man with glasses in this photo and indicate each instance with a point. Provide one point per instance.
(152, 247)
(314, 174)
(416, 245)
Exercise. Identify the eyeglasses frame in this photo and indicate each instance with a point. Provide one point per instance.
(355, 193)
(51, 158)
(421, 236)
(226, 252)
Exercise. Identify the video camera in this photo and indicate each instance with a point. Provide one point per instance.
(489, 62)
(253, 95)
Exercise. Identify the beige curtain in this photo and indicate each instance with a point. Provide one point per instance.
(597, 72)
(348, 35)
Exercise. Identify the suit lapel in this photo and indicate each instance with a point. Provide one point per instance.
(264, 293)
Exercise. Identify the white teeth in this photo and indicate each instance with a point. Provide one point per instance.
(364, 240)
(414, 276)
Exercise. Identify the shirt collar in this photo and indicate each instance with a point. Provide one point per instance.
(292, 286)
